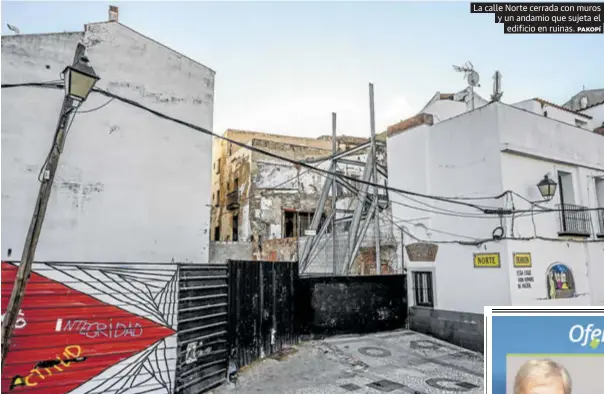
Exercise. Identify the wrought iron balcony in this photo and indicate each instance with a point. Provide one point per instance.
(575, 220)
(232, 202)
(600, 213)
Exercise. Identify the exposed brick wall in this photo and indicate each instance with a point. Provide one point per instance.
(407, 124)
(280, 249)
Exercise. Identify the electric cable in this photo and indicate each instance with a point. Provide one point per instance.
(97, 108)
(252, 148)
(452, 200)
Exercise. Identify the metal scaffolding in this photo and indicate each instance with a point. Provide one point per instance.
(346, 230)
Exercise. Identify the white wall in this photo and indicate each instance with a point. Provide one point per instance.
(130, 186)
(597, 113)
(531, 134)
(579, 153)
(554, 113)
(484, 153)
(457, 157)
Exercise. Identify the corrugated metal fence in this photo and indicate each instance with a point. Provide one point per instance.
(261, 308)
(202, 327)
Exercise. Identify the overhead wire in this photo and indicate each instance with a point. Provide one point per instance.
(453, 200)
(252, 148)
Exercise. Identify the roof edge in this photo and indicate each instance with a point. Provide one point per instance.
(150, 39)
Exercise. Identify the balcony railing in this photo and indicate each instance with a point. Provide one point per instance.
(232, 202)
(575, 220)
(600, 213)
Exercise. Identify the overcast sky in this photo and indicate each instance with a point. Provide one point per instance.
(283, 67)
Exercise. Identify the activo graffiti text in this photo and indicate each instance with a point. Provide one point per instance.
(586, 335)
(92, 329)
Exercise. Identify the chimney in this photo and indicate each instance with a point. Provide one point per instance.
(113, 14)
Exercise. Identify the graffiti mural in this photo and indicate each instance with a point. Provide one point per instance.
(560, 282)
(93, 328)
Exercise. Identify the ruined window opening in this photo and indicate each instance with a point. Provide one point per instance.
(218, 198)
(235, 227)
(236, 185)
(289, 224)
(295, 224)
(217, 233)
(230, 149)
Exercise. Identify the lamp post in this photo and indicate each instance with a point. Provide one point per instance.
(547, 188)
(80, 78)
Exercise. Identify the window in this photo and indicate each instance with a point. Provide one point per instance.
(580, 123)
(296, 223)
(217, 233)
(230, 149)
(545, 113)
(235, 227)
(236, 185)
(422, 287)
(217, 166)
(575, 220)
(289, 225)
(565, 182)
(218, 198)
(600, 202)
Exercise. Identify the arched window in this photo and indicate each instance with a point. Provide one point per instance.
(560, 282)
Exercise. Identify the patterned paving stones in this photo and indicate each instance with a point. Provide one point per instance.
(393, 362)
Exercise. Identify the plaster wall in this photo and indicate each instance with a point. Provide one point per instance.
(130, 185)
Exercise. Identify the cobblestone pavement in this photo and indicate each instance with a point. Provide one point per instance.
(393, 362)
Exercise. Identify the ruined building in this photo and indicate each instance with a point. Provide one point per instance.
(256, 198)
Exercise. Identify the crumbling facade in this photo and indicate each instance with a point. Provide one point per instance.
(255, 197)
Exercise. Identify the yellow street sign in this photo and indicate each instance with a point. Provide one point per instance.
(522, 260)
(487, 260)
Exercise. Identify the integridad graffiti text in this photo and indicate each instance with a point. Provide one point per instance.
(92, 329)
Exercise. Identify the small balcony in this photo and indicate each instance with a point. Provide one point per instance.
(600, 213)
(575, 220)
(232, 202)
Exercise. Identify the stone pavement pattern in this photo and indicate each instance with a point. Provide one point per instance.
(393, 362)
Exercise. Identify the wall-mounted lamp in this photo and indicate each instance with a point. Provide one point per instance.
(79, 79)
(547, 188)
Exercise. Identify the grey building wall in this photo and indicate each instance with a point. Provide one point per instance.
(459, 328)
(221, 252)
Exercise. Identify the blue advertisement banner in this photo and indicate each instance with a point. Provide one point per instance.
(542, 336)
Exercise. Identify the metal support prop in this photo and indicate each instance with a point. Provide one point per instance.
(375, 180)
(334, 193)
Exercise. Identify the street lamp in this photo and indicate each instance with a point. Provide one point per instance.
(547, 188)
(79, 80)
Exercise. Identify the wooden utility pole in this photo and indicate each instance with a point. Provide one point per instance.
(33, 234)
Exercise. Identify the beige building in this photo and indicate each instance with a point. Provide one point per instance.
(256, 197)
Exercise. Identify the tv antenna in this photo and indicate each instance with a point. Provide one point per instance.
(470, 75)
(497, 93)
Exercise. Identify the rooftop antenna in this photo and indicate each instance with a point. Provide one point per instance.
(470, 75)
(14, 29)
(497, 93)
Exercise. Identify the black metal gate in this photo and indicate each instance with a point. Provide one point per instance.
(261, 308)
(202, 327)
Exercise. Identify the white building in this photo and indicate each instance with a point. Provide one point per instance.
(130, 186)
(485, 152)
(130, 198)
